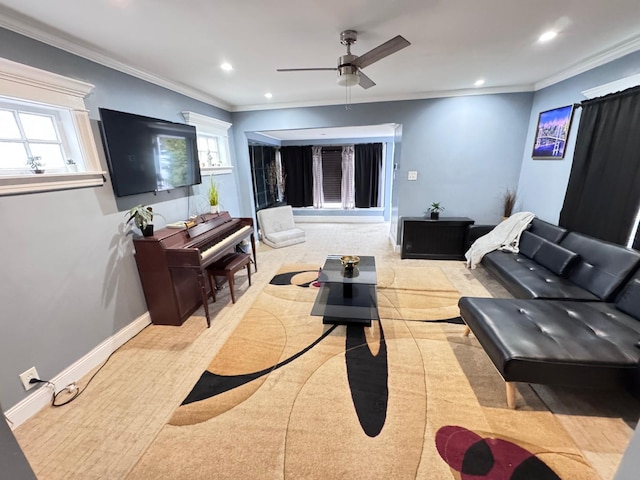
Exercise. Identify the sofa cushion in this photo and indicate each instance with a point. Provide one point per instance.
(529, 244)
(629, 300)
(547, 230)
(603, 267)
(555, 257)
(554, 342)
(525, 278)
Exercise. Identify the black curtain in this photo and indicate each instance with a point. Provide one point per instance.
(368, 166)
(603, 193)
(297, 163)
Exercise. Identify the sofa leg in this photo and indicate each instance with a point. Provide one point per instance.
(511, 395)
(466, 332)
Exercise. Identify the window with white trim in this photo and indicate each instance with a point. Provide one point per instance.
(43, 117)
(34, 132)
(213, 143)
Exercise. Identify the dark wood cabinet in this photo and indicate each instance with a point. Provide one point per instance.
(442, 239)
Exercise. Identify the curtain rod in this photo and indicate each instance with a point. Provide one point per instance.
(612, 96)
(333, 144)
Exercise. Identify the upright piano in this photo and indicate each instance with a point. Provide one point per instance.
(172, 264)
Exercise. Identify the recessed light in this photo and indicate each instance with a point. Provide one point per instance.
(226, 66)
(479, 82)
(268, 95)
(546, 36)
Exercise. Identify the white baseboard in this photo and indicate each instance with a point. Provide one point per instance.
(35, 402)
(394, 245)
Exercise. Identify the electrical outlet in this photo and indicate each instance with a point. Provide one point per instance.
(28, 375)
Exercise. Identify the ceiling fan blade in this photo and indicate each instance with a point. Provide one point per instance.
(381, 51)
(303, 69)
(365, 82)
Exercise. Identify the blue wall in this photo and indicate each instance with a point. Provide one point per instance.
(467, 150)
(70, 280)
(543, 183)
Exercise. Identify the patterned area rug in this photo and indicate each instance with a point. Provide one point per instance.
(408, 398)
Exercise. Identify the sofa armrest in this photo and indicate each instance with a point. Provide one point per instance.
(474, 232)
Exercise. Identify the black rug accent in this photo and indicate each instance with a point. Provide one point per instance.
(533, 467)
(211, 384)
(478, 459)
(368, 376)
(285, 278)
(454, 320)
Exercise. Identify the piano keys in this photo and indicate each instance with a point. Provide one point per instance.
(172, 264)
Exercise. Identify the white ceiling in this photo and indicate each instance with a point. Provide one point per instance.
(181, 44)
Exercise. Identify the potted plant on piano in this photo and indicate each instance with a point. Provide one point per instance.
(214, 196)
(142, 217)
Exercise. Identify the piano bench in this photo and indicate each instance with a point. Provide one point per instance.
(227, 267)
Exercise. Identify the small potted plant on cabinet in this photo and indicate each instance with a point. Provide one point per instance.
(435, 210)
(142, 217)
(213, 196)
(36, 164)
(72, 166)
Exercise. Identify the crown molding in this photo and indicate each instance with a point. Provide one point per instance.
(23, 25)
(28, 27)
(594, 61)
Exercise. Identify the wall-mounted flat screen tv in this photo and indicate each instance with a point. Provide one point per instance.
(147, 154)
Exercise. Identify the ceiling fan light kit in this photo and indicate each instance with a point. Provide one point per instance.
(348, 76)
(349, 66)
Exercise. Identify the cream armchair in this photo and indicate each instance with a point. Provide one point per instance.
(278, 228)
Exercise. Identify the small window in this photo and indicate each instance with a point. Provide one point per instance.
(332, 176)
(213, 143)
(208, 151)
(32, 132)
(43, 118)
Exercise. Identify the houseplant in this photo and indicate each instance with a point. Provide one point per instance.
(213, 196)
(508, 202)
(142, 217)
(72, 166)
(36, 164)
(435, 210)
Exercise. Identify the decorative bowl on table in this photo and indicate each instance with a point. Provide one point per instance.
(349, 261)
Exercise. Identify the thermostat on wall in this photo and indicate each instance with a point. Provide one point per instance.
(413, 175)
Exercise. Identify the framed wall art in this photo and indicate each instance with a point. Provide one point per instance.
(552, 133)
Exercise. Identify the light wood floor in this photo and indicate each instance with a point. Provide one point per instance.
(103, 433)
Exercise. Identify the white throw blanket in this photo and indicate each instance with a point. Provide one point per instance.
(506, 236)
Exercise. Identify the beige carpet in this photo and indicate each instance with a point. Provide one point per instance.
(289, 397)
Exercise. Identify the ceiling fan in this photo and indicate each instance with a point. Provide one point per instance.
(349, 66)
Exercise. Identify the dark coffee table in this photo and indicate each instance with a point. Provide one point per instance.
(347, 296)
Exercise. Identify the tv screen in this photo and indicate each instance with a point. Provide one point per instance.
(147, 154)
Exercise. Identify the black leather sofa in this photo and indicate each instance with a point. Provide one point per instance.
(575, 320)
